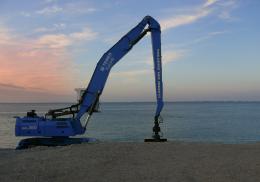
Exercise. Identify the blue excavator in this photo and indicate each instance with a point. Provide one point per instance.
(58, 126)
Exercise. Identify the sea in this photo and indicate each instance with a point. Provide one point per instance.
(221, 122)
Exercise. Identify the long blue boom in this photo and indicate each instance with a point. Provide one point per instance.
(113, 55)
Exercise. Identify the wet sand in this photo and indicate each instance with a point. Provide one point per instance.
(123, 162)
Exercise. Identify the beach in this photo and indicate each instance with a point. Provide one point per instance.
(133, 161)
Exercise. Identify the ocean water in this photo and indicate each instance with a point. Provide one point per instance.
(225, 122)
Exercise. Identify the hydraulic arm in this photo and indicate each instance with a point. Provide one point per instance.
(113, 55)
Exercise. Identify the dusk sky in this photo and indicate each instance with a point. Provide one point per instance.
(210, 49)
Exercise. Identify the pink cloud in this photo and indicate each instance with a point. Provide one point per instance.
(25, 63)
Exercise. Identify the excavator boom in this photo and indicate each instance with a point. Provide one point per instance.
(113, 55)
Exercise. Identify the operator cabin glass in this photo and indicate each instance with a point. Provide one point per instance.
(80, 92)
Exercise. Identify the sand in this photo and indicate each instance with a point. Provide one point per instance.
(123, 162)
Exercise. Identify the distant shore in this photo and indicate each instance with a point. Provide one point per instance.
(123, 162)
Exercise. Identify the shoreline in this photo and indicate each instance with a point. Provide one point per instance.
(133, 161)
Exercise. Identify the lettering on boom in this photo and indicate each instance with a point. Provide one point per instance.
(32, 127)
(158, 59)
(158, 72)
(108, 63)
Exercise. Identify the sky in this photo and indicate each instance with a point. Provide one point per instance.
(210, 49)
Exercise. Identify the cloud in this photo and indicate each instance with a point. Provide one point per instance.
(25, 14)
(57, 41)
(54, 27)
(54, 41)
(49, 10)
(209, 3)
(131, 73)
(79, 8)
(50, 1)
(12, 93)
(225, 15)
(17, 87)
(67, 8)
(134, 75)
(217, 33)
(127, 79)
(4, 35)
(42, 64)
(85, 34)
(43, 29)
(201, 39)
(220, 7)
(26, 67)
(4, 85)
(226, 8)
(174, 22)
(168, 56)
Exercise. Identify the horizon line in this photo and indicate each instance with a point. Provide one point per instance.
(67, 102)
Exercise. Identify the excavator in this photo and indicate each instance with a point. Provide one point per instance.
(59, 126)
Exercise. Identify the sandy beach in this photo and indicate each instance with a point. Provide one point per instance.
(123, 162)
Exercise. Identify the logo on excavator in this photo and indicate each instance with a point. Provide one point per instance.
(108, 63)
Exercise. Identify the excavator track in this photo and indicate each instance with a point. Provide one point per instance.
(52, 142)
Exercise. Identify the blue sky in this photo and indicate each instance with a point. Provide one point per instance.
(209, 49)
